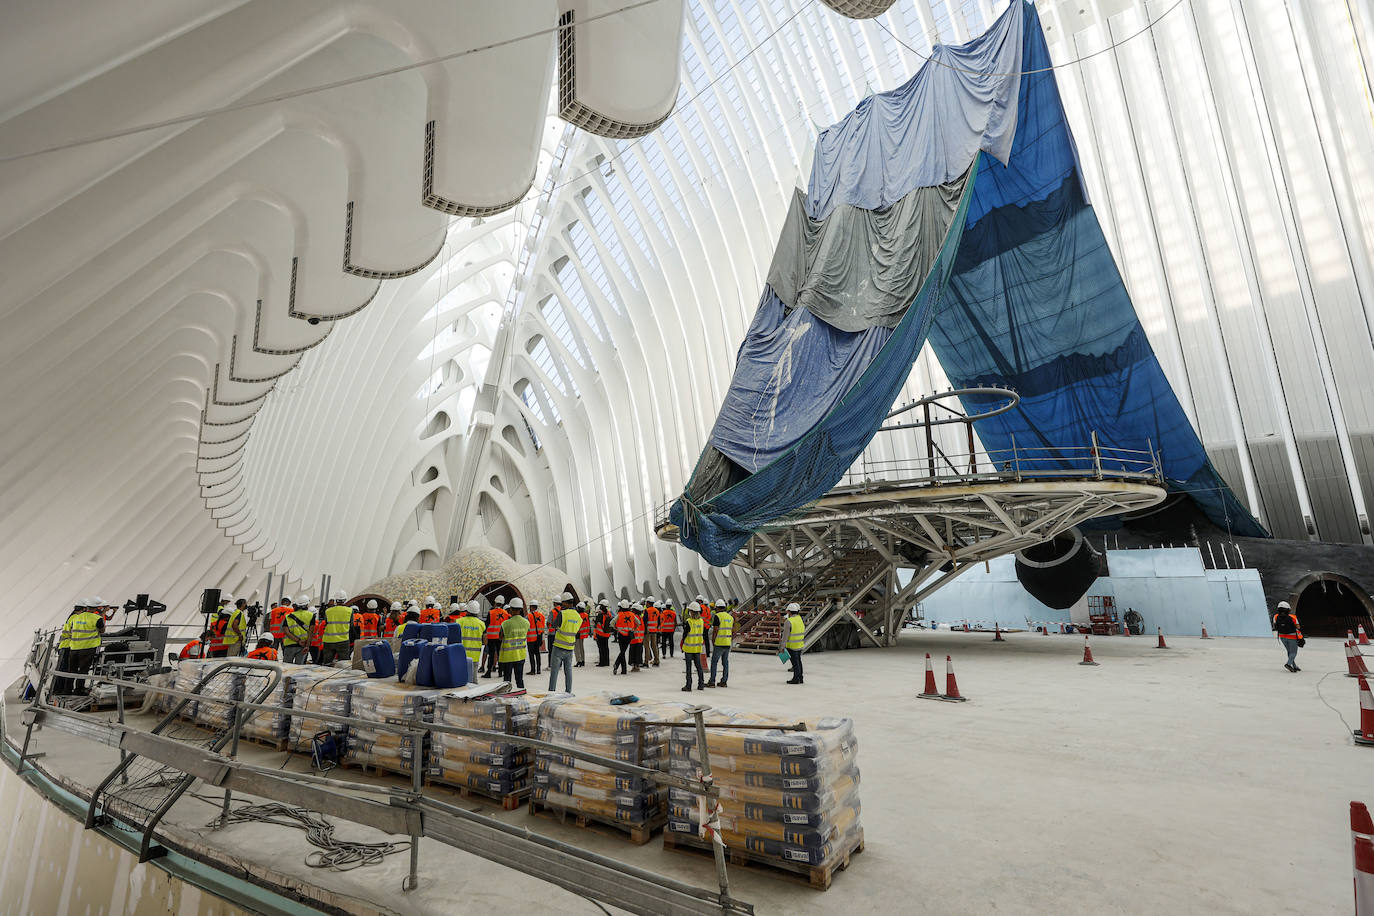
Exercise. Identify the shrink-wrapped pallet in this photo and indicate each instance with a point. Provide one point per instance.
(320, 690)
(790, 797)
(274, 727)
(489, 764)
(385, 701)
(635, 733)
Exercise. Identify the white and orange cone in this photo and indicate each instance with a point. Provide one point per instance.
(1045, 630)
(1362, 828)
(931, 692)
(1161, 639)
(1364, 735)
(997, 631)
(1087, 653)
(1125, 630)
(951, 686)
(1361, 638)
(1204, 630)
(1354, 662)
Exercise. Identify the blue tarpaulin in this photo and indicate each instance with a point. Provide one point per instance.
(1021, 292)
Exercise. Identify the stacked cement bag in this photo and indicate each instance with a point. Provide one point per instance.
(386, 701)
(322, 690)
(591, 723)
(187, 675)
(156, 702)
(792, 797)
(274, 727)
(487, 765)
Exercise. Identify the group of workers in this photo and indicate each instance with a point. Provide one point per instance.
(509, 637)
(77, 645)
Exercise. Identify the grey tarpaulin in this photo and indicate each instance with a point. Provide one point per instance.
(858, 268)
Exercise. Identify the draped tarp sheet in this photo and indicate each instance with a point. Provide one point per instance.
(1037, 305)
(1023, 293)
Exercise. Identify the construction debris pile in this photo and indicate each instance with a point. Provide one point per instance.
(489, 766)
(790, 798)
(386, 701)
(635, 733)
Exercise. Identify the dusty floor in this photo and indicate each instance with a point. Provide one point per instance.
(1199, 779)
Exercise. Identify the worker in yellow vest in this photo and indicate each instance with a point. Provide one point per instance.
(338, 626)
(569, 621)
(693, 645)
(515, 634)
(473, 629)
(296, 632)
(409, 625)
(83, 641)
(794, 637)
(720, 652)
(63, 685)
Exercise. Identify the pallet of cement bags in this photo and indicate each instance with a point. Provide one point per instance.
(384, 701)
(789, 800)
(322, 690)
(488, 766)
(565, 786)
(274, 728)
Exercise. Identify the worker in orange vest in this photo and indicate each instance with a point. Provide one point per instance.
(602, 631)
(430, 613)
(651, 625)
(637, 638)
(667, 624)
(264, 652)
(624, 631)
(392, 620)
(196, 647)
(534, 640)
(497, 617)
(585, 630)
(276, 619)
(705, 612)
(456, 611)
(1289, 633)
(369, 622)
(317, 638)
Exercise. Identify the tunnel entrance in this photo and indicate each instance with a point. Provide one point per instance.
(1329, 604)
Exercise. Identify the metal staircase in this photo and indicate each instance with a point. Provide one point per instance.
(850, 585)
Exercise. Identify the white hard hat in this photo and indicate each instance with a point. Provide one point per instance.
(225, 599)
(455, 606)
(353, 608)
(517, 603)
(794, 608)
(430, 599)
(80, 602)
(372, 604)
(533, 603)
(287, 599)
(603, 603)
(701, 597)
(499, 600)
(566, 596)
(97, 601)
(474, 607)
(636, 606)
(581, 604)
(1284, 605)
(624, 604)
(339, 596)
(396, 605)
(694, 608)
(649, 600)
(413, 603)
(302, 601)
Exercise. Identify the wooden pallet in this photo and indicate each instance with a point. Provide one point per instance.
(817, 876)
(639, 834)
(507, 802)
(275, 744)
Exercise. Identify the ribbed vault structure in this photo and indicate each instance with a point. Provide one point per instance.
(354, 331)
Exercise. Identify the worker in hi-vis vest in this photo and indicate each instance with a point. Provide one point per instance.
(720, 651)
(515, 634)
(794, 637)
(693, 645)
(567, 624)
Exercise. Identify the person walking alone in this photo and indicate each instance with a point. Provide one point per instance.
(567, 623)
(794, 637)
(1290, 634)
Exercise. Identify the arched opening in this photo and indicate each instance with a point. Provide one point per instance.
(490, 591)
(1329, 604)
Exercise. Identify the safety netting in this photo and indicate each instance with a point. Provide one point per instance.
(908, 232)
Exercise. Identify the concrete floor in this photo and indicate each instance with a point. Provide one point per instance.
(1200, 779)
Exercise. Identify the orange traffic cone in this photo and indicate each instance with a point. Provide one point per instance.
(1087, 653)
(1354, 662)
(931, 692)
(1360, 821)
(997, 632)
(1362, 639)
(1204, 630)
(1125, 630)
(1161, 639)
(1045, 630)
(952, 687)
(1365, 733)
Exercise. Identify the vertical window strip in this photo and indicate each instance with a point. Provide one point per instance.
(571, 282)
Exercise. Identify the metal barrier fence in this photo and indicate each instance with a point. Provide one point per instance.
(399, 811)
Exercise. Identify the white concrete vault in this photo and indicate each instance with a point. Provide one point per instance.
(228, 342)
